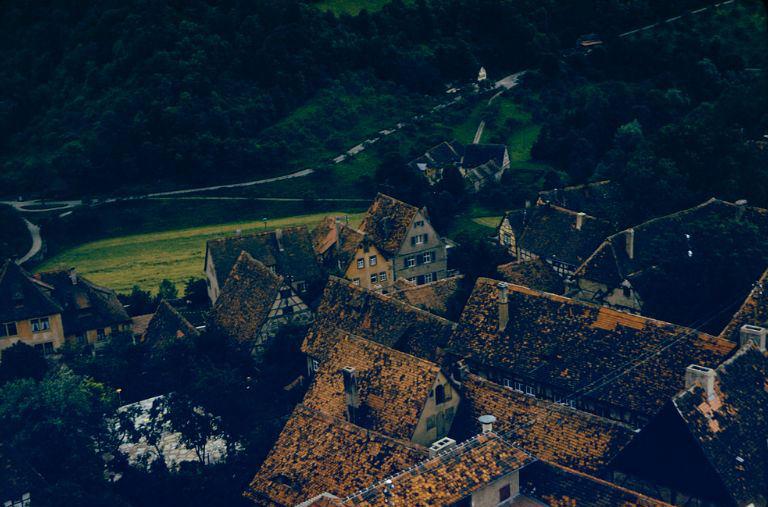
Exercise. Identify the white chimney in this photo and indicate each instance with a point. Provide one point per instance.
(486, 421)
(73, 276)
(754, 334)
(630, 237)
(503, 305)
(580, 220)
(701, 376)
(279, 239)
(441, 445)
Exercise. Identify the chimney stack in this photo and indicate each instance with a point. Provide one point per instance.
(337, 224)
(73, 276)
(279, 239)
(702, 376)
(630, 237)
(486, 421)
(441, 445)
(580, 220)
(503, 305)
(753, 334)
(351, 392)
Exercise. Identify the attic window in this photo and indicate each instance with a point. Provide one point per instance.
(419, 223)
(360, 263)
(18, 299)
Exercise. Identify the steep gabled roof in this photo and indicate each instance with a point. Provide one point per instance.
(393, 386)
(168, 325)
(432, 297)
(732, 426)
(445, 479)
(347, 307)
(289, 251)
(246, 299)
(535, 274)
(317, 454)
(478, 154)
(753, 311)
(570, 344)
(559, 486)
(21, 297)
(547, 430)
(550, 231)
(324, 239)
(85, 305)
(602, 199)
(387, 222)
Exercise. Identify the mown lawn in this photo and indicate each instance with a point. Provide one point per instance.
(352, 7)
(146, 259)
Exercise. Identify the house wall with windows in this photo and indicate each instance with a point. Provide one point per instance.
(498, 492)
(286, 309)
(624, 298)
(422, 257)
(370, 269)
(95, 336)
(44, 333)
(438, 413)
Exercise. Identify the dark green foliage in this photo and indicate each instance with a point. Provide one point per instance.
(14, 237)
(22, 361)
(167, 290)
(138, 302)
(196, 293)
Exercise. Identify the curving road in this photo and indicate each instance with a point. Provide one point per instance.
(37, 242)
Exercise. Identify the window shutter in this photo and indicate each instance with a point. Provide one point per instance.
(426, 237)
(413, 240)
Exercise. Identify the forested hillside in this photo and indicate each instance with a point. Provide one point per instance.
(118, 96)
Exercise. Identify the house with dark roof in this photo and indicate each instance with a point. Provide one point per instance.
(487, 470)
(90, 313)
(483, 164)
(28, 314)
(347, 308)
(648, 268)
(565, 350)
(255, 303)
(603, 200)
(708, 445)
(317, 454)
(335, 243)
(166, 326)
(287, 252)
(399, 242)
(561, 237)
(384, 390)
(544, 429)
(753, 311)
(534, 274)
(437, 159)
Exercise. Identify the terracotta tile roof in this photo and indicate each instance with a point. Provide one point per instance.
(550, 231)
(288, 250)
(731, 427)
(21, 297)
(570, 344)
(432, 297)
(316, 453)
(85, 305)
(168, 325)
(753, 311)
(386, 223)
(347, 307)
(602, 199)
(447, 478)
(548, 430)
(244, 303)
(324, 240)
(535, 274)
(393, 386)
(139, 324)
(558, 486)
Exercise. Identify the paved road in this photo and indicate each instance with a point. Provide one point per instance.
(37, 242)
(673, 19)
(297, 174)
(274, 199)
(479, 132)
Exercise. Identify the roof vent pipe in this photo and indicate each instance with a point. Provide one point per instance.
(486, 421)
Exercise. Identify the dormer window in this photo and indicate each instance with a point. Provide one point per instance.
(419, 223)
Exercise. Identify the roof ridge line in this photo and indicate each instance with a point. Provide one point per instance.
(348, 334)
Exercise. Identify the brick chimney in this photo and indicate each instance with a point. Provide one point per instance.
(351, 392)
(701, 376)
(337, 224)
(753, 334)
(73, 275)
(503, 305)
(279, 239)
(630, 237)
(580, 220)
(486, 421)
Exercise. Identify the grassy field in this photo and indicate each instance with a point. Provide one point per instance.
(146, 259)
(352, 7)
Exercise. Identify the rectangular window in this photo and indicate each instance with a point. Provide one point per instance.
(374, 278)
(428, 258)
(46, 349)
(360, 263)
(301, 286)
(507, 383)
(428, 278)
(383, 276)
(372, 260)
(315, 364)
(412, 279)
(356, 281)
(40, 325)
(101, 335)
(530, 391)
(518, 386)
(419, 223)
(410, 262)
(504, 493)
(418, 239)
(8, 329)
(507, 239)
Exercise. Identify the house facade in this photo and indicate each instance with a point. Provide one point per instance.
(370, 268)
(28, 314)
